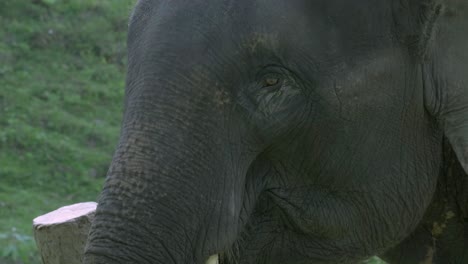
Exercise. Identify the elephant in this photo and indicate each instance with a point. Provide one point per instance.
(292, 132)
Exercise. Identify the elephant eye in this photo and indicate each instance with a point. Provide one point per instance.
(271, 81)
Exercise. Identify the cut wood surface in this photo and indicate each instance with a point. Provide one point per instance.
(61, 235)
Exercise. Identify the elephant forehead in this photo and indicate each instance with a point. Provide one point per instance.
(285, 17)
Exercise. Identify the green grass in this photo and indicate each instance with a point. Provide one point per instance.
(62, 67)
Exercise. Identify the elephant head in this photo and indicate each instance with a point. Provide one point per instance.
(281, 131)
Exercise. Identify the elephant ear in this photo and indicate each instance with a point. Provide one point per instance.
(445, 71)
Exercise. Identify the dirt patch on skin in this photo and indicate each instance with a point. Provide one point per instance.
(429, 256)
(258, 40)
(438, 228)
(222, 97)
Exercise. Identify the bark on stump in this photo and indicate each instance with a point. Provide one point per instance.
(61, 235)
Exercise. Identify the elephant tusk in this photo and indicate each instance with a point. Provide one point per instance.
(213, 260)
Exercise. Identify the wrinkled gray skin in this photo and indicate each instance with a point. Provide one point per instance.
(290, 131)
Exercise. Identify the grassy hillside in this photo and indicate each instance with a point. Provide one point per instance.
(62, 67)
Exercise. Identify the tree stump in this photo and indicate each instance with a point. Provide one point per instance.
(61, 235)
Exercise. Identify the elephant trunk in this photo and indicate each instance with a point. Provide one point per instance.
(172, 191)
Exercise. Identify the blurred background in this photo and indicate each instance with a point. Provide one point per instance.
(62, 71)
(62, 74)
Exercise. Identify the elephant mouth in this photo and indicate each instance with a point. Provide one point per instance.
(306, 210)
